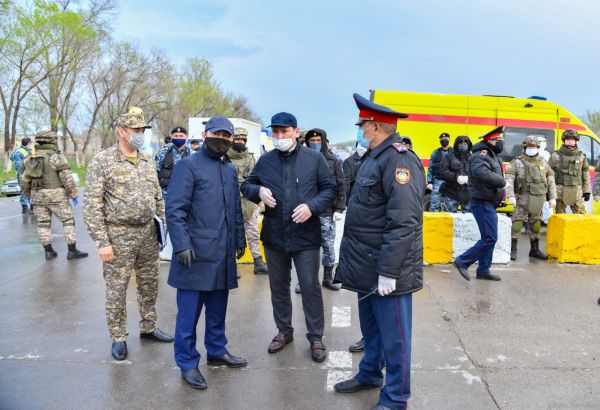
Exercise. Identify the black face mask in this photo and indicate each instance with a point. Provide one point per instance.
(216, 147)
(444, 143)
(498, 147)
(239, 147)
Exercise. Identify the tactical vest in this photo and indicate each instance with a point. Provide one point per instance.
(534, 180)
(49, 178)
(568, 171)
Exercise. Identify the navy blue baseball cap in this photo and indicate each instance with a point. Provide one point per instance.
(283, 119)
(219, 123)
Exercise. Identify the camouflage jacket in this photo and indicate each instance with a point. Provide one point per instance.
(58, 164)
(516, 174)
(117, 192)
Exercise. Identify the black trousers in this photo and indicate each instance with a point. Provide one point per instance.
(307, 267)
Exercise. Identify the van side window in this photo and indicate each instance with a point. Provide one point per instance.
(585, 146)
(514, 137)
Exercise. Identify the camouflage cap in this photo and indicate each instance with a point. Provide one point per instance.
(134, 118)
(45, 136)
(240, 132)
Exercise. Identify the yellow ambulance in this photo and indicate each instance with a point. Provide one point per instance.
(474, 115)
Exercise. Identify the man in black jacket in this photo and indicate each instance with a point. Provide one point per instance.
(381, 257)
(486, 186)
(454, 171)
(316, 139)
(296, 186)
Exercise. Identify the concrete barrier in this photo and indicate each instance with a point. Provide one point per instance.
(574, 238)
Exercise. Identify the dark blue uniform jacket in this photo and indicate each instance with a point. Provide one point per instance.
(486, 178)
(383, 233)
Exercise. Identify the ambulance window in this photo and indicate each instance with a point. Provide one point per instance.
(595, 160)
(585, 146)
(514, 137)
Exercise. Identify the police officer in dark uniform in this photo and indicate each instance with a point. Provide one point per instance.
(486, 187)
(381, 256)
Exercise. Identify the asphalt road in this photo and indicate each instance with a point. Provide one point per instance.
(528, 342)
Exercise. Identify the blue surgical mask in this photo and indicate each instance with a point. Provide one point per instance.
(137, 141)
(360, 136)
(315, 145)
(178, 142)
(463, 148)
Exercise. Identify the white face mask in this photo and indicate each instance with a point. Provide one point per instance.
(283, 144)
(360, 150)
(531, 152)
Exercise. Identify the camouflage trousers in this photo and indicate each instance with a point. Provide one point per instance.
(521, 214)
(328, 240)
(452, 205)
(436, 197)
(64, 212)
(22, 199)
(251, 228)
(577, 208)
(135, 249)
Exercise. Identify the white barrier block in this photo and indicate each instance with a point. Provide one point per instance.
(466, 233)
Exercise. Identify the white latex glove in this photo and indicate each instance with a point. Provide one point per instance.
(430, 187)
(461, 179)
(266, 196)
(512, 200)
(466, 179)
(386, 285)
(552, 203)
(337, 216)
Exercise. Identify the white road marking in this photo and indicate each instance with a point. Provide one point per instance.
(338, 360)
(341, 316)
(9, 217)
(336, 376)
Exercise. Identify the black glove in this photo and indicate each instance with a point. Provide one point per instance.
(239, 253)
(186, 257)
(586, 196)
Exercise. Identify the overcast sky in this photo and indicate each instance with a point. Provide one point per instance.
(308, 57)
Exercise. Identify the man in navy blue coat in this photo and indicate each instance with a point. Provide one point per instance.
(296, 186)
(206, 226)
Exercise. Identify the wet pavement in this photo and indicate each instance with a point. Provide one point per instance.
(528, 342)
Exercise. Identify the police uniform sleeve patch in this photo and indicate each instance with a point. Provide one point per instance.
(402, 175)
(400, 147)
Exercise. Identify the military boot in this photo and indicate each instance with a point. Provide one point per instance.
(50, 253)
(75, 253)
(535, 250)
(513, 249)
(259, 267)
(328, 278)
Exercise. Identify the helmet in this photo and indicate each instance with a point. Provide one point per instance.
(531, 140)
(570, 134)
(45, 136)
(240, 132)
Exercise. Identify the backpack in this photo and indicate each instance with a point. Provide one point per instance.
(33, 167)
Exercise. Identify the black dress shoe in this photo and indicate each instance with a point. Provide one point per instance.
(462, 270)
(157, 335)
(358, 346)
(194, 378)
(353, 385)
(488, 276)
(119, 350)
(228, 360)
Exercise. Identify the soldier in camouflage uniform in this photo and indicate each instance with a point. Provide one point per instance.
(529, 181)
(572, 175)
(122, 197)
(244, 163)
(48, 184)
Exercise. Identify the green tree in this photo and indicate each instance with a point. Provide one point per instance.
(592, 120)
